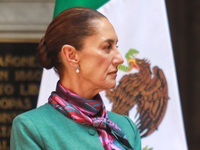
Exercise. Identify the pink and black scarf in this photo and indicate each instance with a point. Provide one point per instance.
(90, 112)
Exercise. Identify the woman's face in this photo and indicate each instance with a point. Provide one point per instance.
(100, 57)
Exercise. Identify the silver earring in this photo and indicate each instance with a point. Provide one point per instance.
(77, 68)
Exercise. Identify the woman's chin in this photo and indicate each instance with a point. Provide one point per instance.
(111, 85)
(108, 85)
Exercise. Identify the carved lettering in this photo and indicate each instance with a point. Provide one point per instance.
(7, 117)
(30, 89)
(30, 75)
(7, 89)
(15, 103)
(1, 61)
(5, 131)
(4, 75)
(3, 144)
(18, 61)
(20, 77)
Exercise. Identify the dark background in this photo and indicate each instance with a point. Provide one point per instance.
(184, 22)
(24, 75)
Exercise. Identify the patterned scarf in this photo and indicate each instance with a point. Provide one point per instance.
(89, 112)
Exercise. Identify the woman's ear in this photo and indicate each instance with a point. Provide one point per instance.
(70, 54)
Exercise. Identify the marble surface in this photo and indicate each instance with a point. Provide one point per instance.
(25, 19)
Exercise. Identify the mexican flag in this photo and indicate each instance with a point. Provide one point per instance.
(147, 89)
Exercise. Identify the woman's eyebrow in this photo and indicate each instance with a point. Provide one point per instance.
(111, 41)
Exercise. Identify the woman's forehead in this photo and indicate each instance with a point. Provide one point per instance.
(106, 31)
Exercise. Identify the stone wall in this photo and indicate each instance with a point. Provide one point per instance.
(24, 19)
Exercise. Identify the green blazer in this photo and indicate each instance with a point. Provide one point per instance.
(47, 129)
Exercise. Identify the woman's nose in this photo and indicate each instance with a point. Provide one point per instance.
(118, 59)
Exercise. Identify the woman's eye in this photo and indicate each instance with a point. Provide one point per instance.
(108, 46)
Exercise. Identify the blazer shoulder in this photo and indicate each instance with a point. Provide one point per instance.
(122, 120)
(37, 112)
(39, 116)
(118, 118)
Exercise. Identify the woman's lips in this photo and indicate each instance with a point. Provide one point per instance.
(113, 72)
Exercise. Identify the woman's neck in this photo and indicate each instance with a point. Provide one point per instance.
(80, 88)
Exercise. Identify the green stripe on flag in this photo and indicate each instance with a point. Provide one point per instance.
(61, 5)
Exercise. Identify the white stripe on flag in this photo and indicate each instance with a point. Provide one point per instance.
(143, 25)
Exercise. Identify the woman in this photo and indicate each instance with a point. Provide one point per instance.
(81, 45)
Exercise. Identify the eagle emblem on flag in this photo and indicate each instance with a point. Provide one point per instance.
(145, 89)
